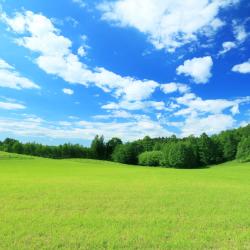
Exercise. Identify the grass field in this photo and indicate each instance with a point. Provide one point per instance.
(87, 204)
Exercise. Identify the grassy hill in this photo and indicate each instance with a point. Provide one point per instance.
(87, 204)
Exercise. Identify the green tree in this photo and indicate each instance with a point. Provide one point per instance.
(127, 153)
(243, 152)
(207, 150)
(181, 156)
(147, 143)
(17, 147)
(111, 145)
(165, 149)
(150, 158)
(158, 146)
(192, 143)
(228, 141)
(98, 148)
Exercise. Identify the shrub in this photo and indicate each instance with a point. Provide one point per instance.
(243, 152)
(151, 158)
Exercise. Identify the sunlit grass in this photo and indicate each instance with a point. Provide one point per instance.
(87, 204)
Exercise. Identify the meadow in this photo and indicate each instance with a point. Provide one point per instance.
(90, 204)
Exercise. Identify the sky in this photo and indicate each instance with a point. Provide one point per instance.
(122, 68)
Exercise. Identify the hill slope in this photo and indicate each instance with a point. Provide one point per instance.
(87, 204)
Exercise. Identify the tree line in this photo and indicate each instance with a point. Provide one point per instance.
(188, 152)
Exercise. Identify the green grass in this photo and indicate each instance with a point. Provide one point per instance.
(87, 204)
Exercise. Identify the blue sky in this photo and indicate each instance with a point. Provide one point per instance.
(125, 68)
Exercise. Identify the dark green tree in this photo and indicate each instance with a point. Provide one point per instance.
(127, 153)
(147, 143)
(207, 150)
(98, 148)
(243, 152)
(17, 147)
(181, 156)
(111, 145)
(228, 141)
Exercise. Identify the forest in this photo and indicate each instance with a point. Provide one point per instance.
(187, 152)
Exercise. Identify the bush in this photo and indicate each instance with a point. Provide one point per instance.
(243, 152)
(151, 158)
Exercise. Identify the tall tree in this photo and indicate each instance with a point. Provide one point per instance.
(243, 153)
(98, 148)
(207, 150)
(111, 145)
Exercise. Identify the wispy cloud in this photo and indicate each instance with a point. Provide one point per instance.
(10, 78)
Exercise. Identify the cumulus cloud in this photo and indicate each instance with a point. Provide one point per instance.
(37, 33)
(174, 87)
(243, 68)
(210, 116)
(240, 32)
(10, 78)
(227, 46)
(194, 105)
(168, 24)
(212, 124)
(11, 106)
(68, 91)
(199, 68)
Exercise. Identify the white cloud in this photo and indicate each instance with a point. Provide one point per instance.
(115, 114)
(168, 24)
(174, 87)
(199, 68)
(10, 78)
(129, 130)
(5, 65)
(196, 125)
(138, 90)
(195, 105)
(242, 68)
(240, 32)
(11, 106)
(37, 33)
(210, 116)
(227, 46)
(81, 51)
(136, 105)
(81, 3)
(68, 91)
